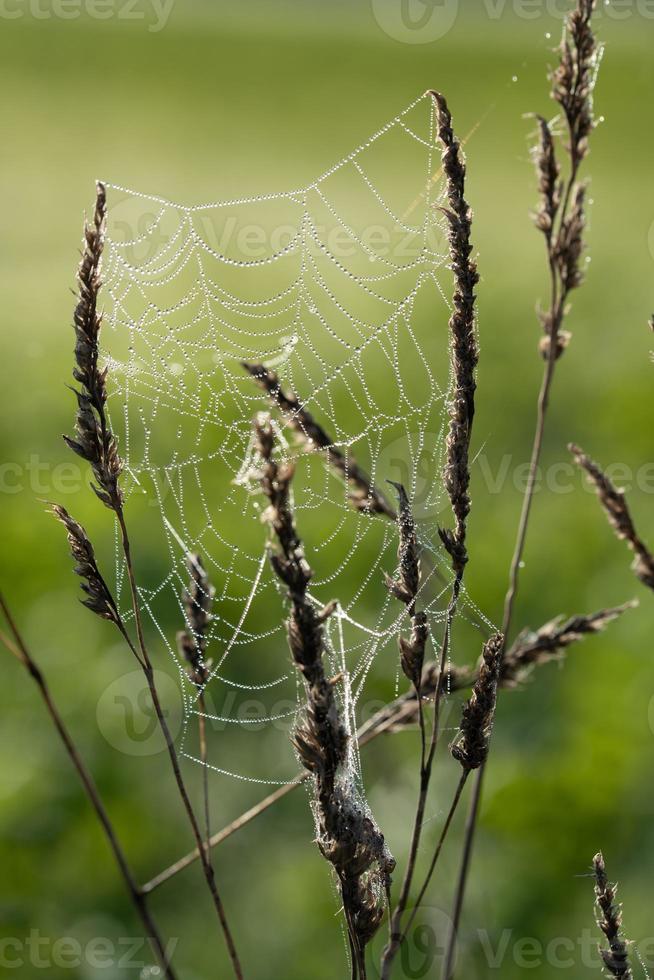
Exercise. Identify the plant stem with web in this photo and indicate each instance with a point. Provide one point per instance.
(204, 851)
(19, 650)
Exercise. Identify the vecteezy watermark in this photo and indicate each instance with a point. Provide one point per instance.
(411, 460)
(145, 231)
(426, 21)
(126, 715)
(67, 953)
(154, 14)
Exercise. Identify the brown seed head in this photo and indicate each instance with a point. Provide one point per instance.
(198, 600)
(569, 246)
(549, 183)
(551, 641)
(464, 353)
(94, 440)
(364, 495)
(615, 506)
(98, 597)
(405, 588)
(609, 919)
(574, 78)
(472, 743)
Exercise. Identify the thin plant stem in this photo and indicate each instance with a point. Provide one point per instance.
(572, 89)
(20, 651)
(359, 956)
(204, 756)
(96, 443)
(509, 605)
(426, 768)
(222, 835)
(354, 972)
(437, 852)
(466, 857)
(204, 851)
(558, 309)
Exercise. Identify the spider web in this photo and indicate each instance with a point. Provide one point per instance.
(335, 286)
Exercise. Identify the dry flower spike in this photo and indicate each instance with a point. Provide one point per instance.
(94, 440)
(464, 353)
(98, 597)
(615, 506)
(197, 600)
(471, 745)
(405, 589)
(364, 495)
(609, 919)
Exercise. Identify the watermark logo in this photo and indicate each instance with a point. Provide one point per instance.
(416, 21)
(126, 715)
(143, 228)
(412, 460)
(423, 952)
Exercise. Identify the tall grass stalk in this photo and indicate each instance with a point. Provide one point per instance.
(561, 219)
(20, 651)
(96, 444)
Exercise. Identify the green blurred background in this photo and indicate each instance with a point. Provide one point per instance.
(225, 99)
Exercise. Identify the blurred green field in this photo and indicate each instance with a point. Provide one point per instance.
(230, 99)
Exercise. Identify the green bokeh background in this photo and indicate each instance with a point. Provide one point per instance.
(233, 98)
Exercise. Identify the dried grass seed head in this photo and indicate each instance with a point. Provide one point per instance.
(94, 441)
(197, 600)
(551, 641)
(405, 588)
(609, 920)
(471, 745)
(364, 495)
(412, 649)
(98, 597)
(464, 352)
(549, 179)
(570, 243)
(615, 506)
(574, 78)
